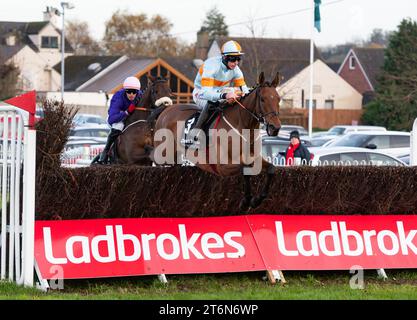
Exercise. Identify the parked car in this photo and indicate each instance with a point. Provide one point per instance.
(286, 129)
(96, 132)
(87, 118)
(339, 130)
(352, 156)
(405, 158)
(273, 149)
(318, 141)
(391, 142)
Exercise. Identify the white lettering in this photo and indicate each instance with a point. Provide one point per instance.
(240, 249)
(206, 245)
(314, 251)
(188, 245)
(85, 250)
(406, 241)
(367, 234)
(111, 251)
(394, 241)
(281, 241)
(161, 248)
(334, 235)
(121, 239)
(145, 245)
(48, 248)
(345, 234)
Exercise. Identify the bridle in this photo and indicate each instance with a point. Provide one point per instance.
(261, 117)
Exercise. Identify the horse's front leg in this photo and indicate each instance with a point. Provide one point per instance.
(270, 169)
(246, 201)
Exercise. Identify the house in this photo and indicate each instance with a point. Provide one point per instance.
(361, 68)
(90, 81)
(34, 47)
(335, 99)
(287, 56)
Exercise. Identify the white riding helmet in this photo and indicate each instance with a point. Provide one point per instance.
(232, 48)
(131, 83)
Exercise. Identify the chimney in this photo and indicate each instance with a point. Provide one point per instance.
(202, 46)
(10, 39)
(51, 14)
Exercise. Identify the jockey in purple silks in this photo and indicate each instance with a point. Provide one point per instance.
(122, 104)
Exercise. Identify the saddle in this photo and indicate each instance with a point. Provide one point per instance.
(215, 110)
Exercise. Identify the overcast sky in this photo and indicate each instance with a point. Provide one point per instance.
(342, 20)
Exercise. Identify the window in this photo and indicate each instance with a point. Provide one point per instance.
(49, 42)
(288, 103)
(352, 158)
(380, 159)
(308, 103)
(330, 159)
(352, 63)
(399, 141)
(329, 104)
(381, 142)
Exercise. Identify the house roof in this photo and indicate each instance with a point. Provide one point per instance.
(7, 52)
(113, 78)
(183, 65)
(80, 69)
(288, 56)
(372, 61)
(22, 30)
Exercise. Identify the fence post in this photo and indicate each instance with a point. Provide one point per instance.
(413, 145)
(29, 208)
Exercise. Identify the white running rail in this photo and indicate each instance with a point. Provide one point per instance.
(17, 188)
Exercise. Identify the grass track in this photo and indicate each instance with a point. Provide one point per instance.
(334, 285)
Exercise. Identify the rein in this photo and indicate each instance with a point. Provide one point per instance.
(261, 118)
(142, 109)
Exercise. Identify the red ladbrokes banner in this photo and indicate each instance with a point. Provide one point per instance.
(147, 246)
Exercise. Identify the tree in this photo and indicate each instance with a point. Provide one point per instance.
(395, 104)
(9, 75)
(378, 37)
(138, 35)
(78, 34)
(215, 24)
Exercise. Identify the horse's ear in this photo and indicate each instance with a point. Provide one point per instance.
(276, 81)
(261, 78)
(151, 78)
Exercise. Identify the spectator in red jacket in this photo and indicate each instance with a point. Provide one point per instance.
(296, 152)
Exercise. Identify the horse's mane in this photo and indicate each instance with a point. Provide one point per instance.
(257, 86)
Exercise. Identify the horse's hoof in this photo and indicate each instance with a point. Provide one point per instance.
(244, 204)
(255, 202)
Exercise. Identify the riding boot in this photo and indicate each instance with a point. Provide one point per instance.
(114, 133)
(203, 117)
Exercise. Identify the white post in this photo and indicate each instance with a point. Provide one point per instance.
(413, 145)
(63, 52)
(29, 175)
(310, 106)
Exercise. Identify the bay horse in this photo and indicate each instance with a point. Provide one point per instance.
(259, 106)
(137, 137)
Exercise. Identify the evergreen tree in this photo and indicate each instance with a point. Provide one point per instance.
(395, 105)
(215, 24)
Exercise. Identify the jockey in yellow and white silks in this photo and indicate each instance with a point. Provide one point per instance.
(216, 77)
